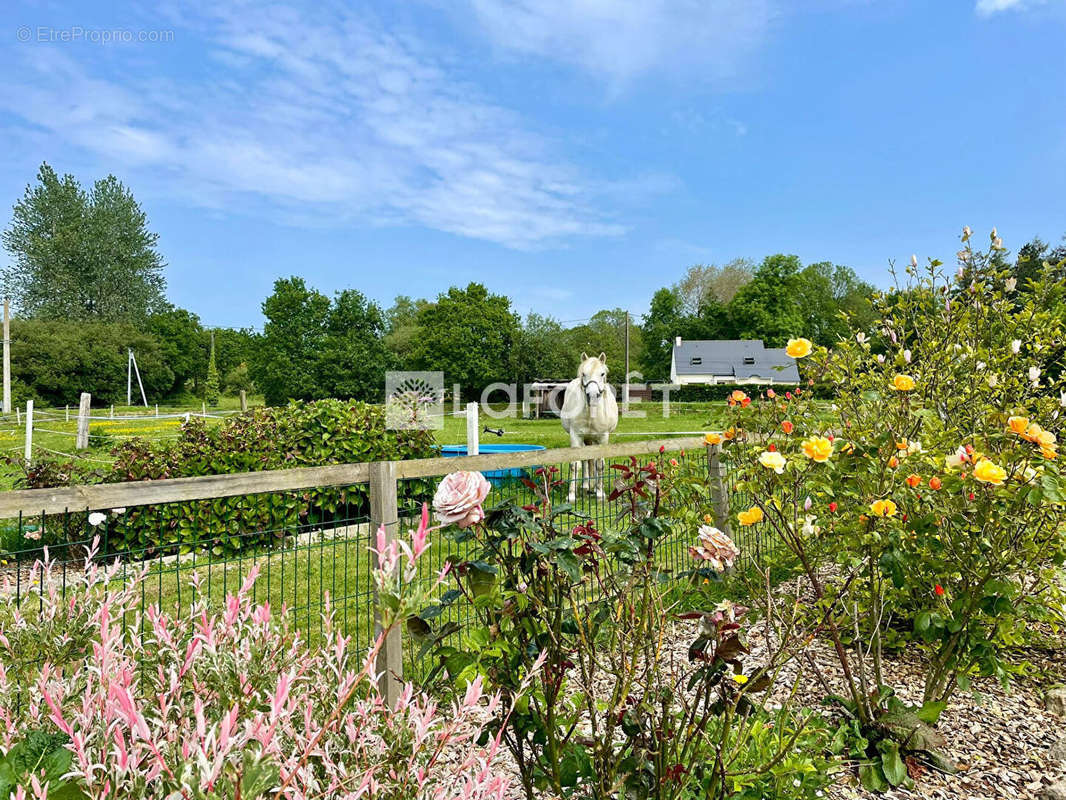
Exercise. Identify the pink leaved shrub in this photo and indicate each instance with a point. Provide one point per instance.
(225, 703)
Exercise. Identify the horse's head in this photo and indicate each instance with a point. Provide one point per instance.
(593, 376)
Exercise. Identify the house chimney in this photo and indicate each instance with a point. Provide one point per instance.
(677, 342)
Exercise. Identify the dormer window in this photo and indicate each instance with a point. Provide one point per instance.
(749, 361)
(695, 361)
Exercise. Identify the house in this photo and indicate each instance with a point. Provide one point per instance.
(730, 361)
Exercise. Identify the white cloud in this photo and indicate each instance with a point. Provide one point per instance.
(988, 7)
(328, 119)
(618, 40)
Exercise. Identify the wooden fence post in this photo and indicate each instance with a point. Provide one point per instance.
(29, 431)
(82, 439)
(473, 430)
(385, 512)
(719, 495)
(244, 400)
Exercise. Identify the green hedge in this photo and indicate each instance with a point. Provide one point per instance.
(703, 394)
(302, 434)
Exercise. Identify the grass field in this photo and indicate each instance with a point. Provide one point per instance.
(54, 433)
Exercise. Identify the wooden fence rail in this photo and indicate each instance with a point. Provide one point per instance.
(382, 478)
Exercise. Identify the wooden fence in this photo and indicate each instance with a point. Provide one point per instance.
(382, 478)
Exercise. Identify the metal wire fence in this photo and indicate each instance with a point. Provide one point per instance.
(309, 545)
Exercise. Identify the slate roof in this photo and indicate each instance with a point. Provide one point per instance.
(724, 357)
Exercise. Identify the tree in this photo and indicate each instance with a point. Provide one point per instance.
(181, 341)
(1031, 259)
(352, 358)
(401, 324)
(59, 360)
(82, 255)
(768, 308)
(662, 324)
(706, 282)
(825, 292)
(606, 332)
(470, 335)
(543, 350)
(312, 348)
(211, 385)
(285, 364)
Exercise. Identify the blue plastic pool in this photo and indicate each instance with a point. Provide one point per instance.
(496, 476)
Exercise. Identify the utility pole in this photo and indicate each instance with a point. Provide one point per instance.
(625, 382)
(7, 356)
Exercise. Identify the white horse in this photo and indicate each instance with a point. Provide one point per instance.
(589, 414)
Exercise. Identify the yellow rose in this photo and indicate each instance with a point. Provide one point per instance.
(771, 459)
(1018, 425)
(751, 516)
(1032, 433)
(903, 383)
(1046, 439)
(818, 448)
(883, 508)
(1049, 453)
(987, 472)
(712, 438)
(798, 348)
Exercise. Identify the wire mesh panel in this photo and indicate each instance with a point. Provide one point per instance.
(309, 551)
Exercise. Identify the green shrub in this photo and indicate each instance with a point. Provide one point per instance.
(302, 434)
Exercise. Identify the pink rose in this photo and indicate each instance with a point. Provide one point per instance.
(459, 497)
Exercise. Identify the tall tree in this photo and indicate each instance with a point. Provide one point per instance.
(826, 293)
(768, 307)
(470, 334)
(543, 350)
(705, 283)
(352, 359)
(82, 255)
(285, 366)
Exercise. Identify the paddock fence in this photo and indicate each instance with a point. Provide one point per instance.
(308, 531)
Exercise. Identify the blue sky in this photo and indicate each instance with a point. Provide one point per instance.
(574, 154)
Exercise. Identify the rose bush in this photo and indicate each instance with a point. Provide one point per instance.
(925, 504)
(542, 590)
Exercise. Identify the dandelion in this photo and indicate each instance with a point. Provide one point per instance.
(739, 679)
